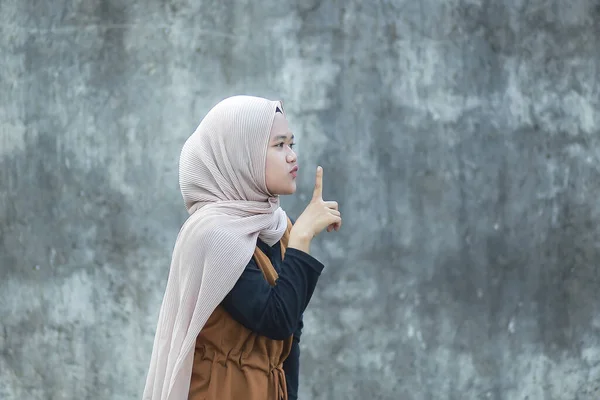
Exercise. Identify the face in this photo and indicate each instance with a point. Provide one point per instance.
(282, 163)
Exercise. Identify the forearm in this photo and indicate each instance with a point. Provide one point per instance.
(275, 311)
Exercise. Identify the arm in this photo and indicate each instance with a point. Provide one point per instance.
(274, 311)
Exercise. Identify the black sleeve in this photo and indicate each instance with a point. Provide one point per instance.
(274, 311)
(291, 368)
(299, 328)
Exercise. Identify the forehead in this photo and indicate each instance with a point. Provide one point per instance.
(280, 126)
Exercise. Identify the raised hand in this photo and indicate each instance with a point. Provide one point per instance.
(317, 216)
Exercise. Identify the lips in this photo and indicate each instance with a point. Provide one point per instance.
(294, 171)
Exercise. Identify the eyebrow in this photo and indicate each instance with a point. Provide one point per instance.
(283, 137)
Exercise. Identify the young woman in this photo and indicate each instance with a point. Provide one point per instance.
(241, 274)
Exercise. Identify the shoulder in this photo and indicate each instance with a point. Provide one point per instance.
(211, 233)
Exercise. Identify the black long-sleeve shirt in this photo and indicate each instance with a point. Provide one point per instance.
(276, 311)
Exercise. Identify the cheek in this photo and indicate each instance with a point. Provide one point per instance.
(273, 165)
(275, 160)
(269, 162)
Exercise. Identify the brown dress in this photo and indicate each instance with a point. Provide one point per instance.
(233, 363)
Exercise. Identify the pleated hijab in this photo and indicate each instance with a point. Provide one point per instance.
(222, 179)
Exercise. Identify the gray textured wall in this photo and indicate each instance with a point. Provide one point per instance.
(461, 138)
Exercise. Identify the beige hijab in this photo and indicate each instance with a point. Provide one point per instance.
(222, 180)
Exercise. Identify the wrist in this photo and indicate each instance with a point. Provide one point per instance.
(300, 234)
(300, 241)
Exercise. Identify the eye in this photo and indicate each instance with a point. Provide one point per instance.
(282, 144)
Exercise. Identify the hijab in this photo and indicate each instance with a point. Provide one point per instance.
(222, 179)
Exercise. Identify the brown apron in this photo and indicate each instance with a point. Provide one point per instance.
(233, 363)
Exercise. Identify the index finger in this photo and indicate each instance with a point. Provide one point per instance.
(318, 192)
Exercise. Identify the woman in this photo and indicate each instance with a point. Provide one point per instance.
(222, 333)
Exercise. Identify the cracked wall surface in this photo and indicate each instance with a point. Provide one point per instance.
(461, 139)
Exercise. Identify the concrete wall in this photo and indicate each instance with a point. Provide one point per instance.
(461, 139)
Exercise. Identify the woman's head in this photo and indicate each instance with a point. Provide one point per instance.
(282, 163)
(240, 151)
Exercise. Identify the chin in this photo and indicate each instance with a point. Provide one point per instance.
(293, 188)
(287, 190)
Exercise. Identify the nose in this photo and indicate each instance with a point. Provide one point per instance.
(291, 157)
